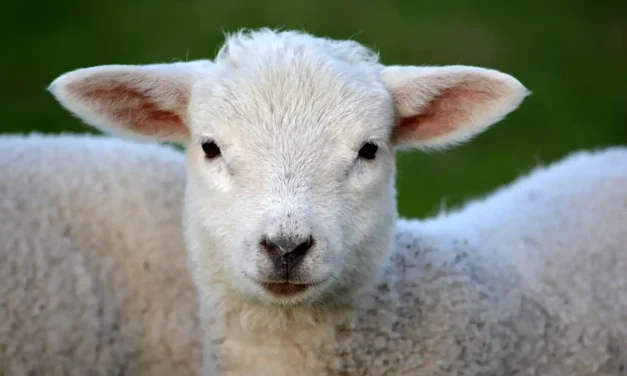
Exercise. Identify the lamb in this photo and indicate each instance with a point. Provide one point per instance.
(301, 263)
(93, 272)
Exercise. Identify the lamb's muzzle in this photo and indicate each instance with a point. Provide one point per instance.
(287, 254)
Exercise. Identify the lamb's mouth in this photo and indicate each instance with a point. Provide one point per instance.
(287, 288)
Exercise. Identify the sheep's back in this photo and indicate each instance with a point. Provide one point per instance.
(552, 249)
(93, 276)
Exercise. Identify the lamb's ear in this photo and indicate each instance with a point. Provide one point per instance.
(443, 106)
(138, 101)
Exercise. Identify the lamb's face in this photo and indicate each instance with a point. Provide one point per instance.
(291, 174)
(290, 196)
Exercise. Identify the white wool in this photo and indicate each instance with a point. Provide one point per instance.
(287, 191)
(93, 274)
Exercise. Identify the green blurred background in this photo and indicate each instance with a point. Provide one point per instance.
(571, 54)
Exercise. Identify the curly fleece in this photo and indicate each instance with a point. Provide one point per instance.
(93, 277)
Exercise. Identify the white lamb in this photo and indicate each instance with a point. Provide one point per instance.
(292, 232)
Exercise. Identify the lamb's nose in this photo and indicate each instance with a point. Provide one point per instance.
(289, 251)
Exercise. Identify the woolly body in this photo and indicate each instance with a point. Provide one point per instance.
(93, 277)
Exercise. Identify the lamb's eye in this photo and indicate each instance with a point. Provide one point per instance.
(211, 149)
(368, 150)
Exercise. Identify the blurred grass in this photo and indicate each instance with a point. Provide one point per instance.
(571, 54)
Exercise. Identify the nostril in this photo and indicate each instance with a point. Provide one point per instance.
(299, 251)
(287, 250)
(270, 247)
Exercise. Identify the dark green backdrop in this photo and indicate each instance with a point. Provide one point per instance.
(571, 54)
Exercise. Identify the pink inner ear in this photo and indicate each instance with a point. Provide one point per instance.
(445, 113)
(136, 111)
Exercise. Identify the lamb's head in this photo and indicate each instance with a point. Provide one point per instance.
(290, 151)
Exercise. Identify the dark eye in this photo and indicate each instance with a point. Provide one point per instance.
(368, 150)
(211, 149)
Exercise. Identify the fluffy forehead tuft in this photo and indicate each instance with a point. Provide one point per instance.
(238, 46)
(267, 80)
